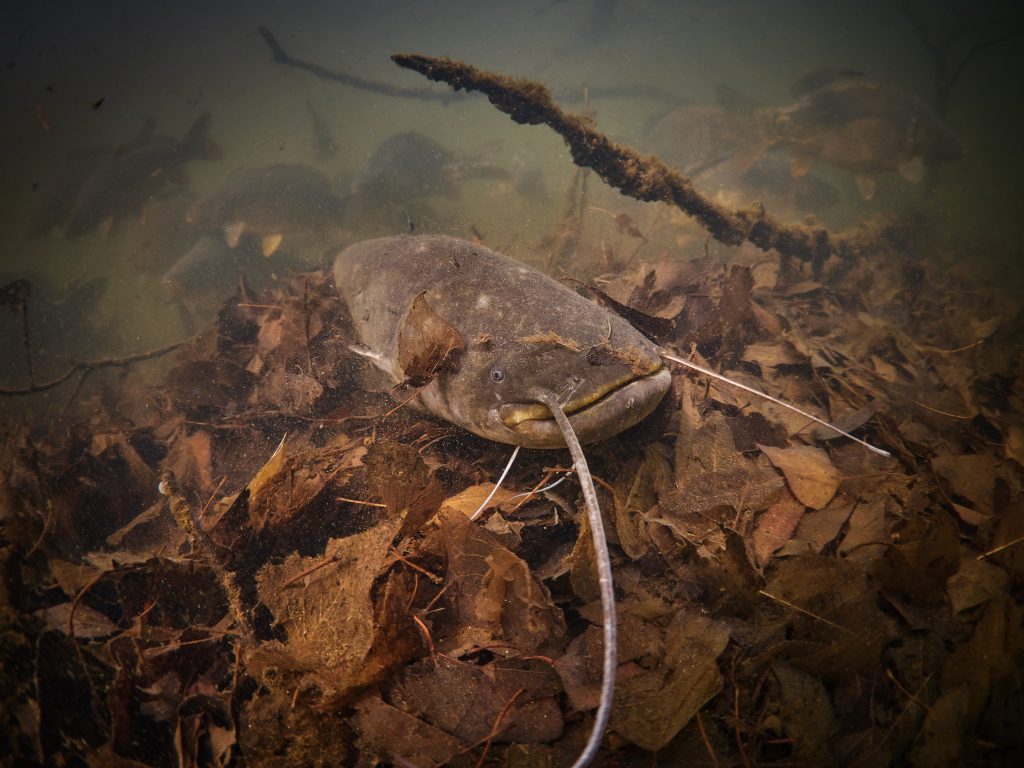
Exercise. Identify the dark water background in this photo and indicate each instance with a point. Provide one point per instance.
(172, 61)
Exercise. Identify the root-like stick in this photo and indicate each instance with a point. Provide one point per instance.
(782, 403)
(644, 178)
(604, 579)
(281, 57)
(88, 366)
(188, 521)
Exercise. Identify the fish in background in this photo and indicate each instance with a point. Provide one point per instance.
(847, 120)
(269, 203)
(207, 264)
(528, 175)
(410, 165)
(406, 166)
(699, 140)
(81, 164)
(121, 186)
(388, 193)
(164, 233)
(324, 145)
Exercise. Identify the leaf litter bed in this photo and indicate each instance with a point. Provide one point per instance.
(266, 560)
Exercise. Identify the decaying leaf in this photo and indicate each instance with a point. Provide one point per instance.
(403, 482)
(665, 675)
(774, 527)
(809, 472)
(714, 483)
(467, 700)
(468, 501)
(428, 345)
(318, 600)
(389, 733)
(491, 596)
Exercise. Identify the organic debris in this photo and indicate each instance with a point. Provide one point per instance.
(264, 561)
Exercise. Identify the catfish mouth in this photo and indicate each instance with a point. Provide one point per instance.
(595, 415)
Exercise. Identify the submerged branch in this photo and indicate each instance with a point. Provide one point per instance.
(281, 57)
(644, 178)
(88, 366)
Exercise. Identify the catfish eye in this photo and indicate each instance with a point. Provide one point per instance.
(498, 374)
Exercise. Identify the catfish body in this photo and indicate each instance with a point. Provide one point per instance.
(520, 332)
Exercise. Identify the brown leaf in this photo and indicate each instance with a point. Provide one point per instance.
(677, 674)
(655, 328)
(971, 476)
(775, 526)
(428, 345)
(806, 713)
(866, 533)
(492, 596)
(713, 481)
(650, 709)
(820, 527)
(191, 459)
(87, 623)
(391, 734)
(403, 482)
(468, 501)
(281, 489)
(809, 473)
(321, 599)
(974, 584)
(466, 700)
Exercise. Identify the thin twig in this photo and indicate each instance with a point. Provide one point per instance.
(88, 366)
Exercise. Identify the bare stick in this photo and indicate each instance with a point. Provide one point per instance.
(344, 78)
(759, 393)
(88, 366)
(604, 579)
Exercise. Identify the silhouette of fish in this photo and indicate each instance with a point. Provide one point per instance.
(123, 185)
(847, 120)
(269, 202)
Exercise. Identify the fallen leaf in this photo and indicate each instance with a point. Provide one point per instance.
(974, 584)
(86, 623)
(467, 700)
(428, 345)
(468, 501)
(320, 599)
(392, 734)
(774, 527)
(809, 473)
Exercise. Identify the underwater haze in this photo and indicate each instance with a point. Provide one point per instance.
(82, 82)
(236, 534)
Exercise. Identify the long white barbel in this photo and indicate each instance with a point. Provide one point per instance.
(759, 393)
(604, 579)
